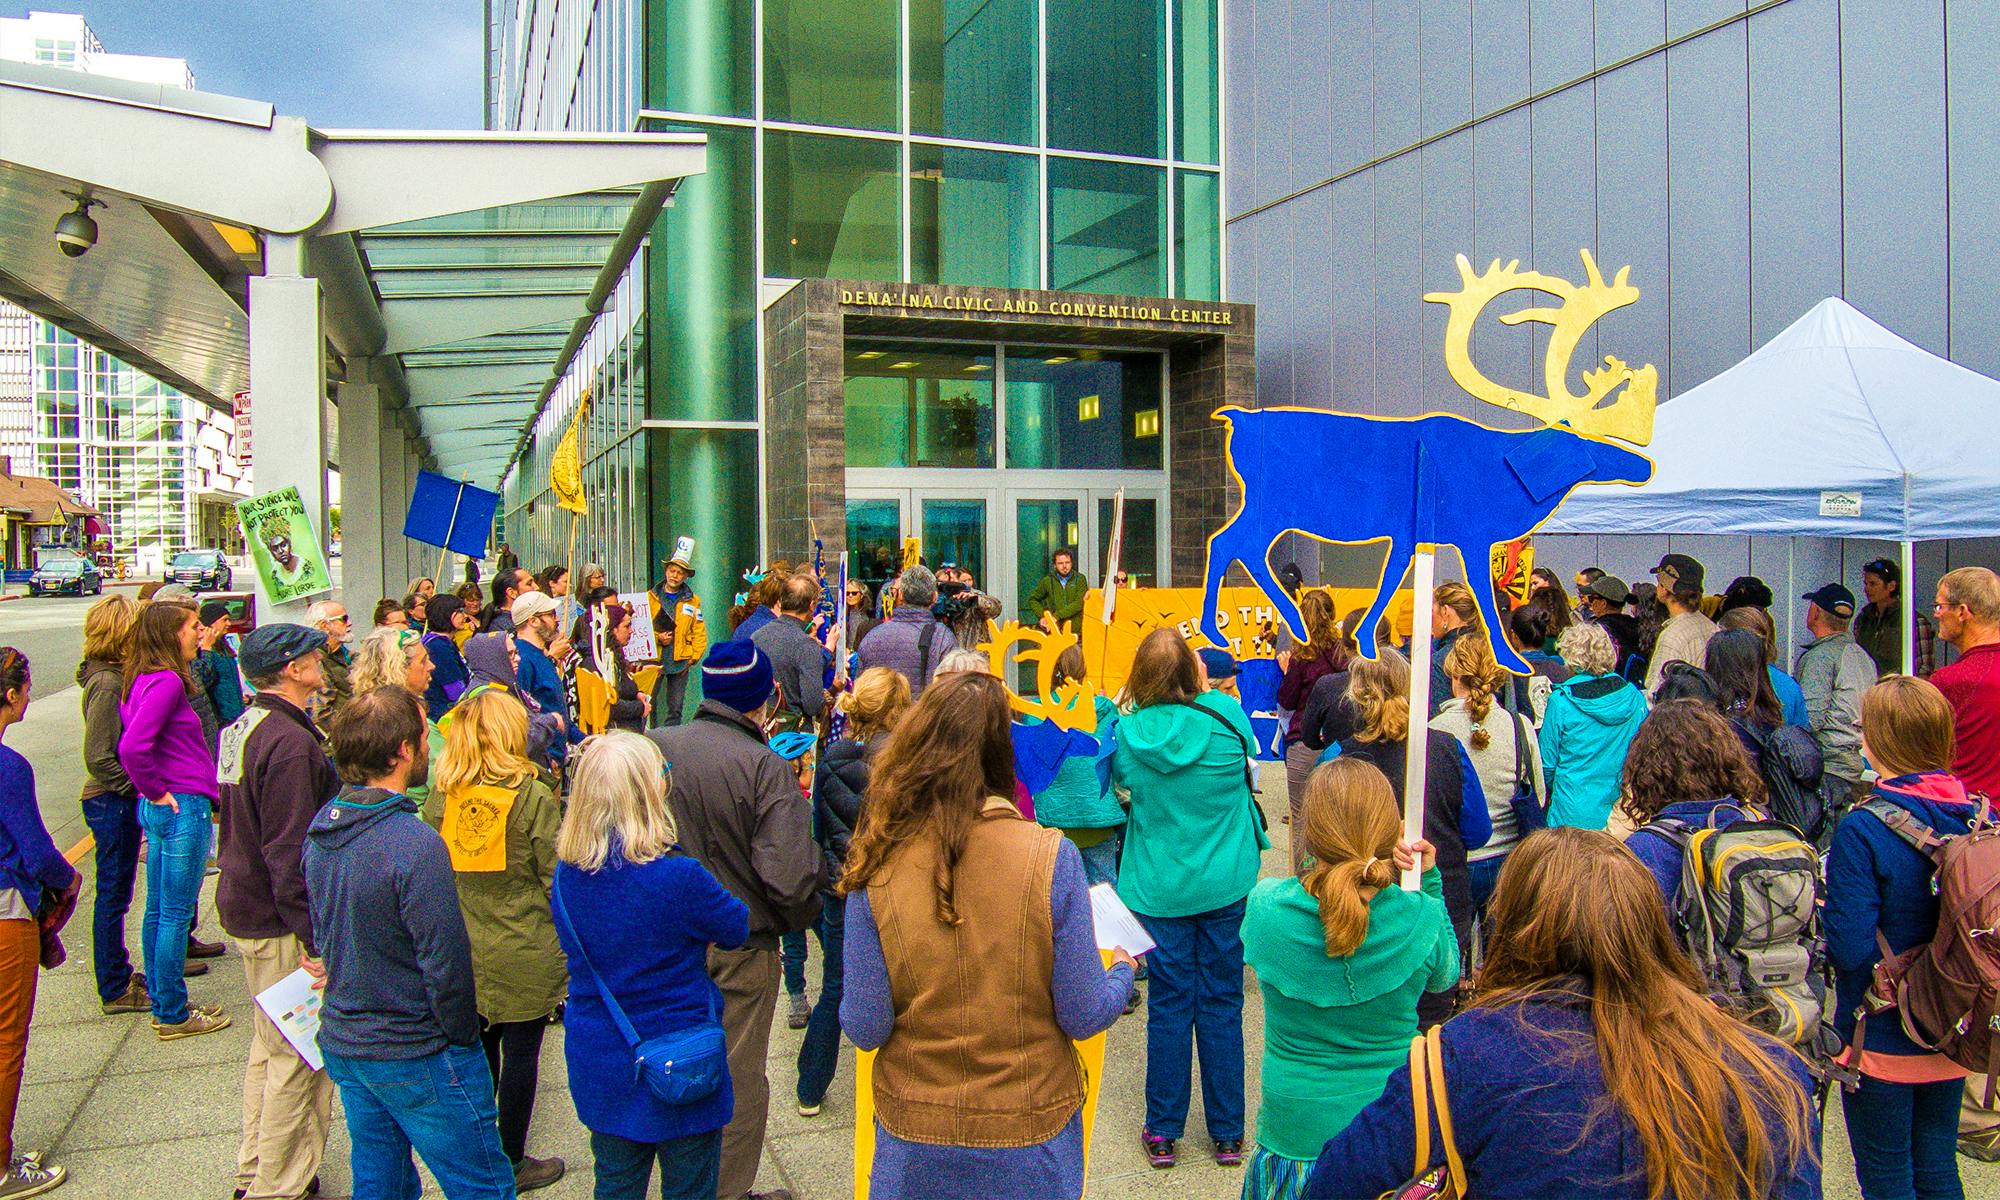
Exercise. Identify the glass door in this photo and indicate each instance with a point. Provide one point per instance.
(953, 529)
(1139, 548)
(1043, 524)
(875, 536)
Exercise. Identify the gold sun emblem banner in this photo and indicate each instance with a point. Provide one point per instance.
(475, 827)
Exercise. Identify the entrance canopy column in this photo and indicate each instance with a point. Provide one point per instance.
(362, 524)
(288, 390)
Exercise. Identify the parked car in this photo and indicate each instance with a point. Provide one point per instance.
(73, 575)
(242, 610)
(200, 570)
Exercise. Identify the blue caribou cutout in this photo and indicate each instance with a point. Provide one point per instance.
(1468, 486)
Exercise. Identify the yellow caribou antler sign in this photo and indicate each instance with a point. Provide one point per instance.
(1068, 706)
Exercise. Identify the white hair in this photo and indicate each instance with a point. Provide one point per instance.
(620, 786)
(322, 610)
(964, 662)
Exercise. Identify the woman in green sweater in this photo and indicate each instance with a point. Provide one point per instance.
(1078, 801)
(1342, 954)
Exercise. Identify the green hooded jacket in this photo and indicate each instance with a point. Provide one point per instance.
(1193, 841)
(1335, 1028)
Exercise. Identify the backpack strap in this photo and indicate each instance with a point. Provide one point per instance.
(924, 640)
(611, 1004)
(1434, 1051)
(1420, 1102)
(1904, 824)
(1673, 829)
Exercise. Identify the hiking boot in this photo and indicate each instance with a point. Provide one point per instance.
(200, 949)
(531, 1173)
(1229, 1152)
(134, 999)
(27, 1175)
(199, 1021)
(1159, 1150)
(1984, 1145)
(801, 1012)
(190, 968)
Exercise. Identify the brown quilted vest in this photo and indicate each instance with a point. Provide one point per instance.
(975, 1057)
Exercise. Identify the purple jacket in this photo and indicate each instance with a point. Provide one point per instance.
(162, 748)
(898, 643)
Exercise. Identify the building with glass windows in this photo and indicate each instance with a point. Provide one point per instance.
(954, 271)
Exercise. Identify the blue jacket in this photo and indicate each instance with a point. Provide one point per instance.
(1586, 729)
(224, 682)
(29, 860)
(1791, 697)
(1522, 1114)
(648, 927)
(449, 676)
(1876, 880)
(1663, 856)
(385, 912)
(539, 678)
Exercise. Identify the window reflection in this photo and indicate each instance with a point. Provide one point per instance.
(972, 69)
(1107, 76)
(919, 404)
(1106, 227)
(1078, 408)
(974, 217)
(830, 208)
(831, 62)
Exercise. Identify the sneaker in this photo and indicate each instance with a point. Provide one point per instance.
(27, 1175)
(133, 999)
(199, 1021)
(531, 1173)
(801, 1012)
(190, 969)
(1229, 1152)
(1984, 1145)
(200, 949)
(808, 1110)
(1159, 1151)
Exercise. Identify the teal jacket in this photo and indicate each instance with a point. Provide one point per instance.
(1586, 729)
(1335, 1028)
(1076, 798)
(1192, 843)
(1062, 597)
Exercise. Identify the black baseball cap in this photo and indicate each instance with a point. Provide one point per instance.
(1681, 570)
(1833, 598)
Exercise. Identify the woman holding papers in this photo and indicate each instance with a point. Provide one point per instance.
(971, 963)
(1342, 954)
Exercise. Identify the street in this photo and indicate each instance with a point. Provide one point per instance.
(49, 630)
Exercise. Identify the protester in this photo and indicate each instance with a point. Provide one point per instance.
(739, 810)
(494, 661)
(169, 762)
(1591, 1063)
(1502, 749)
(509, 584)
(963, 609)
(1968, 613)
(1685, 681)
(423, 586)
(1530, 631)
(798, 662)
(1878, 627)
(1591, 719)
(1735, 661)
(1903, 1120)
(877, 702)
(1791, 698)
(1745, 591)
(448, 618)
(1455, 817)
(1079, 801)
(472, 598)
(499, 820)
(1454, 614)
(399, 658)
(1684, 636)
(1323, 653)
(215, 668)
(605, 654)
(1546, 589)
(861, 617)
(1833, 673)
(110, 803)
(389, 614)
(682, 636)
(909, 640)
(275, 775)
(538, 646)
(1183, 755)
(1685, 765)
(37, 887)
(1219, 670)
(418, 609)
(763, 602)
(399, 1023)
(336, 660)
(1605, 599)
(959, 909)
(1342, 955)
(652, 911)
(1057, 600)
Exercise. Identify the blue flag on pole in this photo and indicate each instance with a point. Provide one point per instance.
(456, 516)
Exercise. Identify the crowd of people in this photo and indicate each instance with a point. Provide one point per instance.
(1578, 1000)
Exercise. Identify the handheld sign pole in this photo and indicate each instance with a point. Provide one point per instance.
(444, 551)
(1416, 743)
(1110, 604)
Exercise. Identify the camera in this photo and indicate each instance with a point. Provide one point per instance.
(76, 233)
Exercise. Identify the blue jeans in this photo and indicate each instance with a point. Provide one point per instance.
(819, 1054)
(114, 824)
(440, 1105)
(1100, 862)
(690, 1167)
(1484, 873)
(1905, 1139)
(176, 861)
(1196, 987)
(792, 953)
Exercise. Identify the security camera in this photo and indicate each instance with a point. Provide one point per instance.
(76, 233)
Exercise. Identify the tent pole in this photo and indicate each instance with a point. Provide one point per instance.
(1907, 593)
(1416, 743)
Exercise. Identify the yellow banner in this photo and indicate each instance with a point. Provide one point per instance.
(475, 827)
(566, 464)
(1248, 619)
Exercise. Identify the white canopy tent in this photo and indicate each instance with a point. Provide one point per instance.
(1834, 428)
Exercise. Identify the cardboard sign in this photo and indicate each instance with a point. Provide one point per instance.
(290, 563)
(642, 647)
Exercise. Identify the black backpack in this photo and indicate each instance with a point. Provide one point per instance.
(1790, 763)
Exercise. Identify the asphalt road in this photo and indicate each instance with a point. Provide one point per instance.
(49, 630)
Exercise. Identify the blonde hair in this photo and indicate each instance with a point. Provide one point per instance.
(1459, 599)
(1350, 823)
(619, 788)
(1908, 726)
(880, 697)
(487, 743)
(1587, 649)
(1379, 690)
(107, 628)
(383, 659)
(1470, 661)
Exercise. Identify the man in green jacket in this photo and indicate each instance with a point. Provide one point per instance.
(1059, 596)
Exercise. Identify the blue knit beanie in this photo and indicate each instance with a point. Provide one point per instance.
(737, 674)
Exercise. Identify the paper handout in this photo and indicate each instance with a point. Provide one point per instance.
(293, 1005)
(1117, 928)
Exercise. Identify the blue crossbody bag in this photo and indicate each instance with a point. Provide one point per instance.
(680, 1068)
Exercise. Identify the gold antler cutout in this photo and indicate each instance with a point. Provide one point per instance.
(1627, 417)
(1071, 706)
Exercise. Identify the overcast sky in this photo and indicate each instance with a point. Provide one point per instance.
(341, 64)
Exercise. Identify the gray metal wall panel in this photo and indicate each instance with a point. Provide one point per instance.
(1277, 339)
(1448, 231)
(1708, 205)
(1627, 27)
(1444, 41)
(1310, 84)
(1399, 281)
(1631, 203)
(1398, 98)
(1973, 50)
(1722, 558)
(1350, 273)
(1794, 163)
(1312, 292)
(1686, 16)
(1271, 170)
(1502, 199)
(1561, 41)
(1499, 53)
(1564, 132)
(1894, 192)
(1243, 262)
(1245, 60)
(1350, 112)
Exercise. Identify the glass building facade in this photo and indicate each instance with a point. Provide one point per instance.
(1048, 144)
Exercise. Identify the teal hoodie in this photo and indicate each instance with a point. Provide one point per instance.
(1077, 798)
(1192, 843)
(1335, 1028)
(1586, 728)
